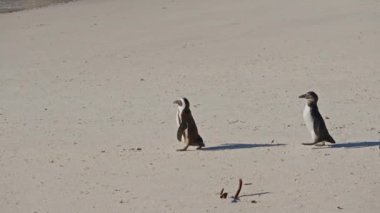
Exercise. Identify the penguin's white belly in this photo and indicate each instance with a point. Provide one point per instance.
(179, 121)
(178, 117)
(309, 121)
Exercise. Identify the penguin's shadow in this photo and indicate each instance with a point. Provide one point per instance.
(360, 144)
(231, 146)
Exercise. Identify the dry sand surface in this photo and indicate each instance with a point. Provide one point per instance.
(83, 85)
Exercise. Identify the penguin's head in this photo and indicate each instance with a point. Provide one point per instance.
(310, 96)
(182, 103)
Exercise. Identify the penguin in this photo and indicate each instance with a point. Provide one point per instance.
(314, 121)
(187, 129)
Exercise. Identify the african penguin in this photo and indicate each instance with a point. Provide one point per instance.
(187, 129)
(314, 121)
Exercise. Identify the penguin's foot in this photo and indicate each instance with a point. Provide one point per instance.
(199, 147)
(309, 144)
(320, 144)
(184, 149)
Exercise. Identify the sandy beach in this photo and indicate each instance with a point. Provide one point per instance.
(87, 120)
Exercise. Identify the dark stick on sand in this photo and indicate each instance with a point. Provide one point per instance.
(223, 195)
(238, 191)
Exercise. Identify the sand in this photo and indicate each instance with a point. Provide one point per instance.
(86, 84)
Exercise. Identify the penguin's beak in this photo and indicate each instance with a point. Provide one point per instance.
(176, 102)
(302, 96)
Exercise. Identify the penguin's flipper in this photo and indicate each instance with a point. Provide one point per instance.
(319, 125)
(181, 130)
(320, 128)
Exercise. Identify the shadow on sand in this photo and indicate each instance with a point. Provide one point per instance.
(229, 146)
(356, 144)
(255, 194)
(248, 195)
